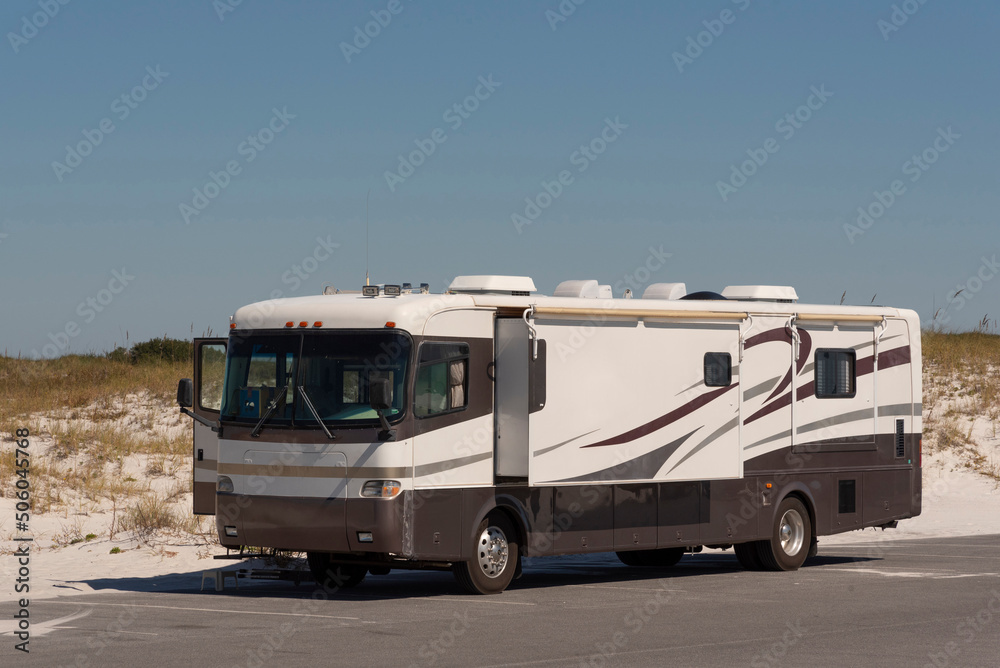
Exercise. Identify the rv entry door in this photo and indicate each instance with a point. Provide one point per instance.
(511, 397)
(209, 372)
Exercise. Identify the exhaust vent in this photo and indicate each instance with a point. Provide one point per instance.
(900, 439)
(518, 286)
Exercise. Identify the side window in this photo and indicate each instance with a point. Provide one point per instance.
(718, 369)
(442, 379)
(836, 377)
(213, 372)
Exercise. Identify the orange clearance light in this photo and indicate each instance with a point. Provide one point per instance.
(303, 324)
(289, 324)
(390, 324)
(768, 485)
(317, 324)
(232, 325)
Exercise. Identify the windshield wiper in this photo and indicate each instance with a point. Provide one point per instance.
(315, 413)
(271, 407)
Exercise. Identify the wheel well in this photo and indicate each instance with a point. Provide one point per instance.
(805, 501)
(515, 520)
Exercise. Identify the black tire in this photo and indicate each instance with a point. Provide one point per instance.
(746, 554)
(333, 578)
(631, 558)
(791, 538)
(663, 558)
(496, 557)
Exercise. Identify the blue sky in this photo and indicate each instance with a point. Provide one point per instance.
(889, 92)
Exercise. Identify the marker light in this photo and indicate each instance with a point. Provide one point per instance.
(385, 489)
(289, 324)
(370, 291)
(392, 291)
(390, 324)
(317, 324)
(224, 484)
(231, 531)
(232, 325)
(303, 324)
(365, 537)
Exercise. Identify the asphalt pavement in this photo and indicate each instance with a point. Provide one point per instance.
(929, 602)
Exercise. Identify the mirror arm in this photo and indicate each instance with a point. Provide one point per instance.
(205, 421)
(386, 434)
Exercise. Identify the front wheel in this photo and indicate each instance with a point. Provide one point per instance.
(791, 538)
(495, 558)
(746, 554)
(332, 578)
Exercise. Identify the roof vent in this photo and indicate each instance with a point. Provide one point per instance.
(665, 291)
(761, 293)
(581, 289)
(493, 285)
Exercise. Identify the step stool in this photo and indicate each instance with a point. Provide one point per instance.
(219, 576)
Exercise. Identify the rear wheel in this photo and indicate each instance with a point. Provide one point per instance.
(663, 558)
(631, 558)
(334, 577)
(496, 556)
(791, 538)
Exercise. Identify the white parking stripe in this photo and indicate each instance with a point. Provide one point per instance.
(233, 612)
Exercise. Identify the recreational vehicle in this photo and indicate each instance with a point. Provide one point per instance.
(396, 428)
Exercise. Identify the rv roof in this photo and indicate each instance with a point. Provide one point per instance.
(497, 285)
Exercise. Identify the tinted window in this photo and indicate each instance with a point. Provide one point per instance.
(835, 374)
(441, 384)
(718, 369)
(334, 368)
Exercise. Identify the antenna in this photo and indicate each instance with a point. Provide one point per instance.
(367, 197)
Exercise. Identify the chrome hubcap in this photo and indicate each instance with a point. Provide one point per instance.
(791, 532)
(492, 552)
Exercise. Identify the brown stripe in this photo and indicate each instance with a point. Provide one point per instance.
(663, 421)
(894, 357)
(780, 334)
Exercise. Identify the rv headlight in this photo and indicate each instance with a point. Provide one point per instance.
(385, 489)
(225, 485)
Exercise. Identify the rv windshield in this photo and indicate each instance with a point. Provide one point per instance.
(334, 368)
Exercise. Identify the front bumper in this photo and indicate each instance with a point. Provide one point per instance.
(303, 524)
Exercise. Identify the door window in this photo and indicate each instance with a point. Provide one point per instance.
(212, 358)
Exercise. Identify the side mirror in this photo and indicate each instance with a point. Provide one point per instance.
(185, 393)
(380, 394)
